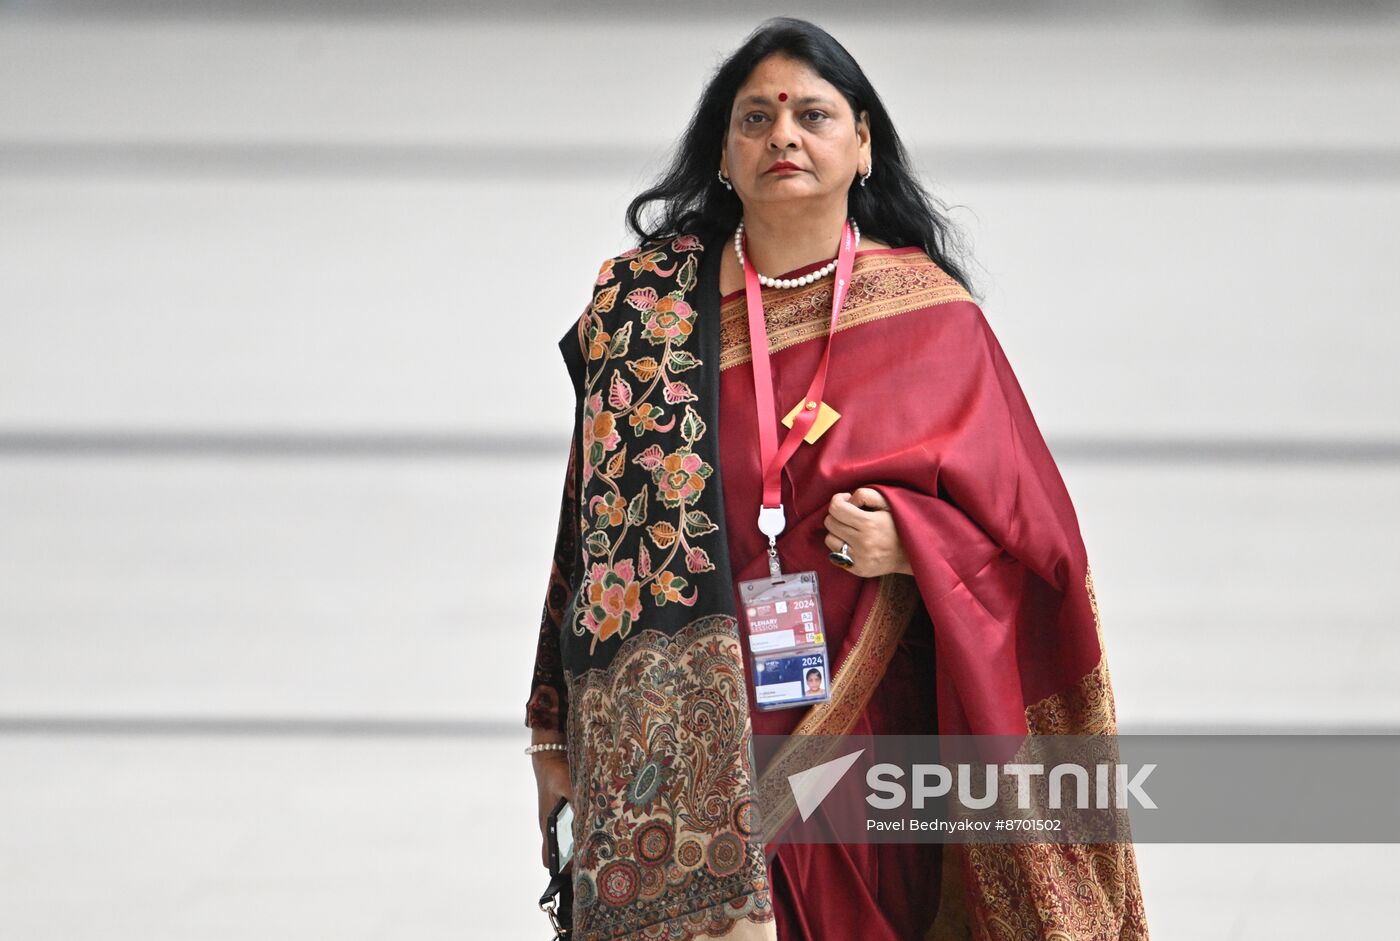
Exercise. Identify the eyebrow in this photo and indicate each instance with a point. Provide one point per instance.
(804, 100)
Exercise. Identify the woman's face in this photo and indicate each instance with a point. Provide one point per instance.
(787, 112)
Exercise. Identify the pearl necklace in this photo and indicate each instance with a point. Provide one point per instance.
(807, 278)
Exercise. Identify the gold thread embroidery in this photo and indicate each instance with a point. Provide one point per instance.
(1061, 892)
(1086, 709)
(1093, 601)
(881, 286)
(1056, 892)
(674, 780)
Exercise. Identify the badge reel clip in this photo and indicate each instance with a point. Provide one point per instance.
(787, 638)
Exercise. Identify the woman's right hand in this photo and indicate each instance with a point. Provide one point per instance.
(552, 782)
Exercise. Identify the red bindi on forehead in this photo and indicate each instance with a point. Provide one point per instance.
(782, 96)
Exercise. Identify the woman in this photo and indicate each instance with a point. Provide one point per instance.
(954, 586)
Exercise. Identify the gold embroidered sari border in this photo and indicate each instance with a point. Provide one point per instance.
(881, 286)
(1088, 708)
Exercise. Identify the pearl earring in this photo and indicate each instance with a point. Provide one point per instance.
(868, 170)
(720, 174)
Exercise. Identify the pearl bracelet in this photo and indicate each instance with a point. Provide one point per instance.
(546, 746)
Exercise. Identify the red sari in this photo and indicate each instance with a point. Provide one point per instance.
(641, 655)
(933, 418)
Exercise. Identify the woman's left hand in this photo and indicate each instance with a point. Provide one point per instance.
(862, 519)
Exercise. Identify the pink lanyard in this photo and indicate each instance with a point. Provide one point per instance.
(770, 512)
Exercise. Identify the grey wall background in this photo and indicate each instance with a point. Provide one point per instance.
(282, 422)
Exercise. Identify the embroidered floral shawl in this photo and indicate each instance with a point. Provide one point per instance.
(653, 688)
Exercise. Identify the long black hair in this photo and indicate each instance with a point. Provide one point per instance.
(892, 207)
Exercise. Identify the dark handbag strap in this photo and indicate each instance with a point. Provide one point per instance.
(558, 903)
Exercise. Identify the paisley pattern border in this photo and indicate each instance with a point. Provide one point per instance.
(664, 826)
(1086, 709)
(1060, 891)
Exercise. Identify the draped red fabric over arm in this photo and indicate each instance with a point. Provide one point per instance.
(995, 547)
(994, 541)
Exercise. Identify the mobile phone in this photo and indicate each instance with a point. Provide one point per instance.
(559, 828)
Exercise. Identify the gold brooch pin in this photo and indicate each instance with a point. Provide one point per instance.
(826, 417)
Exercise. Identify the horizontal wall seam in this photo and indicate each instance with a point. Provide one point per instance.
(564, 160)
(255, 445)
(366, 727)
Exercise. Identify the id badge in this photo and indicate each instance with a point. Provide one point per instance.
(787, 640)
